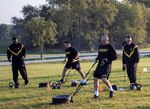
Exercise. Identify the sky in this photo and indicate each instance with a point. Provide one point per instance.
(12, 8)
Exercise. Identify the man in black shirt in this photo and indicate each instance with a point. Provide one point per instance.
(130, 60)
(106, 54)
(73, 61)
(16, 51)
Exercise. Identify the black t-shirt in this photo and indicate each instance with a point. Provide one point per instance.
(71, 53)
(107, 51)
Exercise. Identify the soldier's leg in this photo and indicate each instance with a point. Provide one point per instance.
(134, 70)
(108, 84)
(129, 72)
(15, 75)
(23, 73)
(67, 66)
(108, 70)
(96, 87)
(76, 66)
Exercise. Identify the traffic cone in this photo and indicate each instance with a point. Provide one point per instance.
(145, 70)
(100, 88)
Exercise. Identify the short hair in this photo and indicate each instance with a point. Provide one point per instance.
(67, 42)
(14, 38)
(105, 36)
(127, 36)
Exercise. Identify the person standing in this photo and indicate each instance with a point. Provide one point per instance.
(106, 54)
(130, 60)
(73, 62)
(16, 53)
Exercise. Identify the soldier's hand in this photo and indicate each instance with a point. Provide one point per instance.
(135, 65)
(22, 58)
(74, 60)
(64, 61)
(9, 60)
(124, 67)
(95, 61)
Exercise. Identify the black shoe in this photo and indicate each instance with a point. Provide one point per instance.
(132, 85)
(16, 85)
(26, 82)
(111, 94)
(61, 81)
(95, 96)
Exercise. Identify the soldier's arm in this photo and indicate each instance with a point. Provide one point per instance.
(8, 55)
(137, 55)
(113, 54)
(23, 51)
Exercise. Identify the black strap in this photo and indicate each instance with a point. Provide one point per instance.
(80, 85)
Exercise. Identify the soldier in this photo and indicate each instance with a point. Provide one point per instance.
(130, 60)
(16, 53)
(73, 61)
(106, 54)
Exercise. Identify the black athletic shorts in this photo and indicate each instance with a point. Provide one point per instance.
(74, 65)
(102, 71)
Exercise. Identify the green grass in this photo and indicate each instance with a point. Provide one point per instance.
(32, 97)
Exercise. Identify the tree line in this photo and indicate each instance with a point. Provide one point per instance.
(82, 22)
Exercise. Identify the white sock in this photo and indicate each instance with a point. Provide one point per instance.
(111, 89)
(96, 92)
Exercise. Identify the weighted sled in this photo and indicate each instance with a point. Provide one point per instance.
(61, 99)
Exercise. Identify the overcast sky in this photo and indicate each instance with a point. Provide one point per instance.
(12, 8)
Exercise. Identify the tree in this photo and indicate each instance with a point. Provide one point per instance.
(131, 20)
(145, 2)
(82, 20)
(44, 12)
(4, 32)
(18, 27)
(42, 32)
(30, 12)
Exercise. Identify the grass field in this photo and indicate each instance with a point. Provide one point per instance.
(32, 97)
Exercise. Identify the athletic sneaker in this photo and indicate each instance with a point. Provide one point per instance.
(26, 82)
(132, 86)
(16, 85)
(83, 82)
(111, 94)
(95, 96)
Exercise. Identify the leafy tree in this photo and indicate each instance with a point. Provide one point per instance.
(18, 27)
(42, 32)
(4, 32)
(129, 21)
(30, 12)
(44, 12)
(82, 20)
(146, 2)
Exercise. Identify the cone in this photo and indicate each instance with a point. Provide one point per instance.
(145, 70)
(100, 88)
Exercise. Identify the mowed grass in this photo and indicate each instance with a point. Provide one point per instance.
(32, 97)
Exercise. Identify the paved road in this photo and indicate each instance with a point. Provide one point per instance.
(59, 58)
